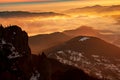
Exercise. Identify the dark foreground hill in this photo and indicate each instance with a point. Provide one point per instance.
(17, 62)
(92, 54)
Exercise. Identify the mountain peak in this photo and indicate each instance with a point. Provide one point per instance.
(84, 38)
(82, 30)
(89, 45)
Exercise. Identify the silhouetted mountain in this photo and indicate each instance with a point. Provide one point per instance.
(17, 62)
(97, 8)
(108, 36)
(92, 54)
(11, 14)
(82, 30)
(40, 42)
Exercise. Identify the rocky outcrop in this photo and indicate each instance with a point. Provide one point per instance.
(14, 53)
(17, 37)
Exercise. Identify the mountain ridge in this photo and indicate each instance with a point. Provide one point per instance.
(96, 8)
(55, 38)
(9, 14)
(18, 65)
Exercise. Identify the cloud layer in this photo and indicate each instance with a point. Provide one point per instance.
(104, 18)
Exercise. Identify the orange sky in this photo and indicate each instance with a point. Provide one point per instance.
(53, 6)
(6, 1)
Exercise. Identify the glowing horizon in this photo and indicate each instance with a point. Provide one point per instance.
(53, 6)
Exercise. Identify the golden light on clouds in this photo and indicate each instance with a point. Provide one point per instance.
(38, 25)
(100, 18)
(56, 6)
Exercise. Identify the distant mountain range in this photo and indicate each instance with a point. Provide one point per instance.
(13, 14)
(44, 41)
(82, 30)
(95, 9)
(108, 36)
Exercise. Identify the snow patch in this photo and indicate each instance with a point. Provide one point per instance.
(95, 56)
(35, 76)
(14, 55)
(60, 52)
(99, 74)
(84, 38)
(14, 33)
(97, 66)
(3, 42)
(80, 55)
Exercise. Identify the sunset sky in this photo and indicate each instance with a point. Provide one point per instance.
(50, 5)
(4, 1)
(10, 1)
(63, 15)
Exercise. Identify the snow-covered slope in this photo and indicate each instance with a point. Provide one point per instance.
(91, 54)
